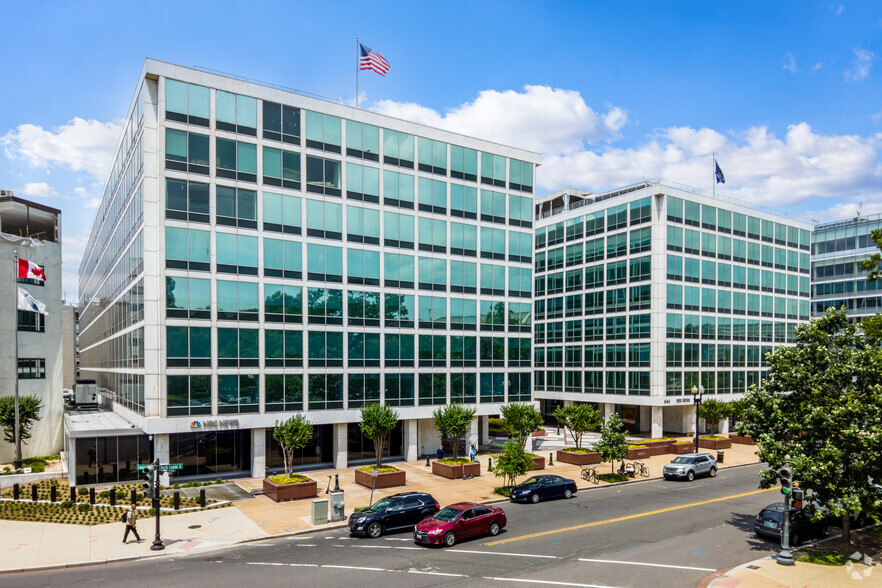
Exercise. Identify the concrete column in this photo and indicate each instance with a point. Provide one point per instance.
(411, 449)
(160, 448)
(484, 429)
(645, 418)
(528, 444)
(608, 408)
(724, 427)
(657, 422)
(341, 446)
(567, 402)
(258, 453)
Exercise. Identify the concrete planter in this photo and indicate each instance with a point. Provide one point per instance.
(714, 443)
(384, 479)
(579, 459)
(681, 448)
(638, 453)
(539, 433)
(742, 439)
(285, 492)
(658, 449)
(665, 445)
(454, 471)
(538, 463)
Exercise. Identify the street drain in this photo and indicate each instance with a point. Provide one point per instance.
(213, 559)
(195, 527)
(753, 567)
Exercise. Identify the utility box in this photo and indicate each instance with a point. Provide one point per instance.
(319, 511)
(337, 506)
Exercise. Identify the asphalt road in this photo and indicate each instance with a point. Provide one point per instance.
(655, 533)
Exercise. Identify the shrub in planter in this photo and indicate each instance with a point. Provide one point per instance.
(387, 477)
(714, 442)
(455, 467)
(538, 461)
(293, 487)
(577, 456)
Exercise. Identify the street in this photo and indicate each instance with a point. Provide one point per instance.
(655, 533)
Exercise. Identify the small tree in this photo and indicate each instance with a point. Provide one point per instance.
(512, 462)
(578, 419)
(452, 421)
(520, 420)
(292, 435)
(377, 421)
(713, 411)
(613, 444)
(28, 411)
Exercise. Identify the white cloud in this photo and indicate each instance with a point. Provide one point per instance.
(877, 118)
(838, 9)
(816, 66)
(539, 118)
(860, 69)
(790, 63)
(40, 190)
(80, 145)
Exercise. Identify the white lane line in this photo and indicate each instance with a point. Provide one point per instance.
(306, 545)
(354, 568)
(546, 582)
(396, 547)
(396, 539)
(637, 563)
(436, 574)
(293, 565)
(504, 553)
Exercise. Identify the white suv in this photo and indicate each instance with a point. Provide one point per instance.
(690, 465)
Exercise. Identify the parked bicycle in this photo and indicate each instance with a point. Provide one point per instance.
(641, 468)
(590, 474)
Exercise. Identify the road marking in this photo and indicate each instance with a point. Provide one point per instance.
(628, 517)
(547, 582)
(502, 553)
(293, 565)
(637, 563)
(396, 547)
(396, 539)
(436, 574)
(354, 568)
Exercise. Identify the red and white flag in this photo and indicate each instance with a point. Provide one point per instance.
(371, 60)
(29, 269)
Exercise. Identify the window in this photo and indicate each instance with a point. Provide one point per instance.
(398, 230)
(187, 201)
(363, 389)
(363, 308)
(398, 148)
(641, 211)
(187, 298)
(492, 316)
(493, 206)
(398, 270)
(432, 235)
(638, 383)
(519, 352)
(575, 229)
(520, 175)
(616, 273)
(519, 282)
(322, 176)
(325, 391)
(615, 245)
(432, 195)
(362, 141)
(493, 243)
(187, 103)
(363, 267)
(282, 304)
(236, 254)
(520, 212)
(493, 170)
(235, 113)
(237, 393)
(399, 310)
(281, 168)
(236, 301)
(463, 163)
(324, 219)
(432, 156)
(616, 327)
(432, 389)
(674, 326)
(432, 312)
(463, 276)
(186, 152)
(323, 131)
(463, 351)
(324, 306)
(640, 240)
(399, 350)
(640, 268)
(187, 249)
(281, 123)
(463, 201)
(188, 395)
(492, 388)
(281, 214)
(639, 326)
(432, 274)
(617, 217)
(398, 189)
(284, 392)
(675, 209)
(615, 355)
(235, 207)
(188, 346)
(595, 223)
(236, 160)
(364, 350)
(362, 183)
(692, 213)
(237, 347)
(616, 300)
(492, 351)
(399, 390)
(492, 279)
(640, 297)
(325, 349)
(32, 322)
(638, 355)
(463, 388)
(283, 348)
(363, 225)
(519, 317)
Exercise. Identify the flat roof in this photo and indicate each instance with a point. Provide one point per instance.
(100, 423)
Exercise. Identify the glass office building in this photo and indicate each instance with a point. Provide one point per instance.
(259, 253)
(644, 292)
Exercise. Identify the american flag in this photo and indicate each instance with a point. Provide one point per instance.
(372, 60)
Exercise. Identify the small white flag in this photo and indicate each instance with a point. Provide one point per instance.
(29, 303)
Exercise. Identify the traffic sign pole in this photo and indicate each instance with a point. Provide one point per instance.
(157, 541)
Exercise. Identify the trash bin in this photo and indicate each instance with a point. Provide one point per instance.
(319, 511)
(337, 506)
(720, 456)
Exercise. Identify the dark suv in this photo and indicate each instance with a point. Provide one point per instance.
(770, 520)
(398, 511)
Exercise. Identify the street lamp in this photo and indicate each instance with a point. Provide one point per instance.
(696, 399)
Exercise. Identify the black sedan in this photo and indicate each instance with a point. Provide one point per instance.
(770, 520)
(399, 511)
(538, 488)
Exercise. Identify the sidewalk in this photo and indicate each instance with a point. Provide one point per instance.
(767, 573)
(27, 545)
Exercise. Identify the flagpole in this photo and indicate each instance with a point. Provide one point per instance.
(714, 172)
(356, 71)
(16, 460)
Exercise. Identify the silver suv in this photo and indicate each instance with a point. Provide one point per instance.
(690, 465)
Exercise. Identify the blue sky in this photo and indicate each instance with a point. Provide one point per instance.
(788, 94)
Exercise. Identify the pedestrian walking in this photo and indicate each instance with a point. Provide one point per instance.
(473, 453)
(440, 452)
(131, 521)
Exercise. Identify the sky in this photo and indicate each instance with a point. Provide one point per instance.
(787, 94)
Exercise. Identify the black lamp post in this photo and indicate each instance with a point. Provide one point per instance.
(696, 398)
(157, 541)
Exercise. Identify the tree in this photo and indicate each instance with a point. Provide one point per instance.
(578, 419)
(452, 421)
(512, 462)
(28, 411)
(377, 421)
(873, 263)
(520, 420)
(822, 405)
(292, 435)
(613, 442)
(713, 411)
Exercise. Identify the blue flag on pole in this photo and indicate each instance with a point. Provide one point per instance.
(718, 173)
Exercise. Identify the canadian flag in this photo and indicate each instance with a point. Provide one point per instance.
(29, 269)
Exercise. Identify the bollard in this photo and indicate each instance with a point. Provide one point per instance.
(15, 491)
(134, 496)
(202, 497)
(52, 490)
(551, 459)
(34, 492)
(92, 496)
(489, 464)
(177, 500)
(113, 497)
(427, 460)
(73, 494)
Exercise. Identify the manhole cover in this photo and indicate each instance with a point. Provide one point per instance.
(212, 559)
(753, 567)
(195, 527)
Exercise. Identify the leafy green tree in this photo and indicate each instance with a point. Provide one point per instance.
(713, 411)
(613, 444)
(28, 412)
(377, 421)
(520, 420)
(452, 421)
(512, 462)
(578, 419)
(873, 263)
(292, 435)
(822, 405)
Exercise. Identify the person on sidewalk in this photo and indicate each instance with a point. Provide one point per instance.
(440, 453)
(131, 522)
(473, 453)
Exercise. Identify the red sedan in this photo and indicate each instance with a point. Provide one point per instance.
(459, 521)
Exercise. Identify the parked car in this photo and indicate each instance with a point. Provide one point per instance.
(690, 465)
(398, 511)
(538, 488)
(770, 520)
(459, 521)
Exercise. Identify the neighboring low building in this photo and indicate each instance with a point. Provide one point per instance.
(70, 329)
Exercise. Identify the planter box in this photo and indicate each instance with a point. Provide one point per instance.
(538, 463)
(384, 479)
(641, 453)
(681, 448)
(714, 443)
(295, 491)
(539, 433)
(657, 449)
(579, 459)
(742, 439)
(447, 470)
(665, 445)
